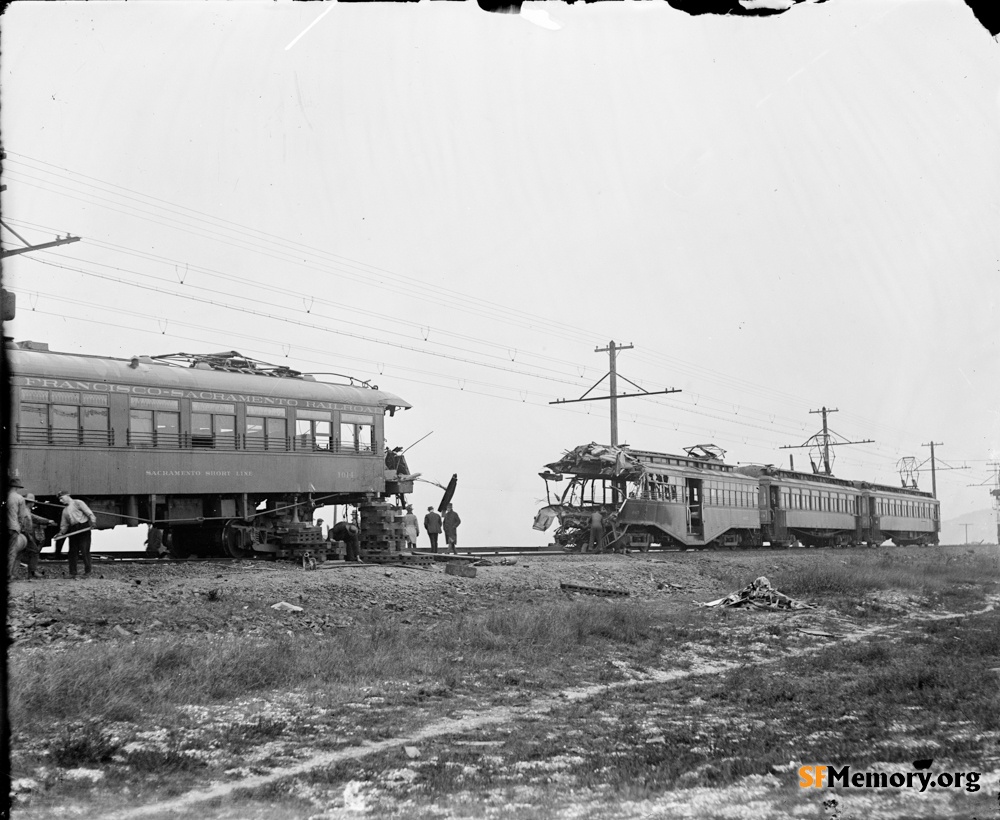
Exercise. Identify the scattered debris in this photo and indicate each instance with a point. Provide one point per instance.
(818, 632)
(123, 631)
(463, 570)
(762, 595)
(287, 607)
(611, 593)
(412, 752)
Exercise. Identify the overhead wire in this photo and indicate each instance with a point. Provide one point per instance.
(366, 271)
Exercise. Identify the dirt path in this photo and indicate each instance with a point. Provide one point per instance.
(764, 798)
(492, 756)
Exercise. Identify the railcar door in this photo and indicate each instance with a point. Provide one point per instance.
(779, 524)
(695, 516)
(876, 524)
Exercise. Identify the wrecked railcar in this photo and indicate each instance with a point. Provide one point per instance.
(648, 498)
(697, 501)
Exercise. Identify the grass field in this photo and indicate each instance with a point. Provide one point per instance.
(685, 699)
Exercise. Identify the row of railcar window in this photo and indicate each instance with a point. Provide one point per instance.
(821, 501)
(69, 418)
(717, 493)
(731, 494)
(903, 508)
(818, 500)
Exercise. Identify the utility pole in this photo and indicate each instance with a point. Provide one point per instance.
(826, 438)
(931, 444)
(995, 492)
(935, 467)
(612, 376)
(823, 441)
(966, 532)
(612, 352)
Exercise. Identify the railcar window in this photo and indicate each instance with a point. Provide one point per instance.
(71, 419)
(34, 417)
(201, 430)
(357, 432)
(213, 430)
(153, 428)
(266, 428)
(313, 434)
(140, 428)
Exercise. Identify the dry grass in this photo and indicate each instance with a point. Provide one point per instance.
(123, 681)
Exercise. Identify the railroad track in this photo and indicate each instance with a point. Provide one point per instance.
(466, 554)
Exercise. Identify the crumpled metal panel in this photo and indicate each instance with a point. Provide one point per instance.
(599, 460)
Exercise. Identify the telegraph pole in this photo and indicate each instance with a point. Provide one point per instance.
(932, 444)
(826, 438)
(612, 376)
(996, 495)
(612, 351)
(824, 441)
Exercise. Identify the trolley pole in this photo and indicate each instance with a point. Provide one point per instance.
(933, 468)
(612, 350)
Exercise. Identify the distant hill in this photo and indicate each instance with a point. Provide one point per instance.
(982, 527)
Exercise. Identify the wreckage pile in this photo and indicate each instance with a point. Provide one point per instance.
(598, 460)
(383, 536)
(762, 595)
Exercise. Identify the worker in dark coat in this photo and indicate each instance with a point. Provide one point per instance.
(451, 522)
(350, 534)
(432, 526)
(33, 528)
(596, 532)
(16, 512)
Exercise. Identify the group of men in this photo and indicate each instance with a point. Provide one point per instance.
(434, 525)
(26, 530)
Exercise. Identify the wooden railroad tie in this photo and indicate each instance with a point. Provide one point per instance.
(611, 593)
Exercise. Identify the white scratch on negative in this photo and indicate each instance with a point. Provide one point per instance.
(306, 29)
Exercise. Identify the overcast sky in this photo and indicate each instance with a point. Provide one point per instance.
(780, 214)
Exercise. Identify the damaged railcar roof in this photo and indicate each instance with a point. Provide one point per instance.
(605, 460)
(598, 460)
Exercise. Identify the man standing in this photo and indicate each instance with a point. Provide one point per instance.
(155, 548)
(451, 522)
(17, 511)
(77, 520)
(33, 529)
(411, 527)
(596, 531)
(432, 526)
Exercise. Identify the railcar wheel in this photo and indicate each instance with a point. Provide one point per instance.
(178, 545)
(236, 540)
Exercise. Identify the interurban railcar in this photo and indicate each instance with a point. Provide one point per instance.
(222, 453)
(697, 501)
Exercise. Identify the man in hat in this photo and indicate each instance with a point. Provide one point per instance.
(77, 522)
(33, 529)
(451, 522)
(350, 534)
(17, 511)
(432, 526)
(410, 526)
